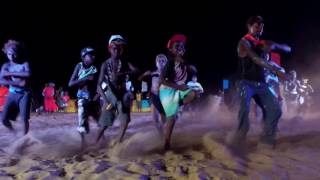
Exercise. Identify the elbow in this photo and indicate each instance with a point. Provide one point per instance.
(100, 91)
(70, 84)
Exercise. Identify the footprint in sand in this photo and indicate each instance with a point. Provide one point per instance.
(221, 152)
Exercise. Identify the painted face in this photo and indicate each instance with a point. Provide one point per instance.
(256, 29)
(88, 59)
(12, 54)
(161, 61)
(293, 74)
(178, 48)
(115, 50)
(194, 79)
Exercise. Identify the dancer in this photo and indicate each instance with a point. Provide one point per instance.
(305, 99)
(253, 63)
(112, 88)
(83, 77)
(173, 90)
(157, 109)
(16, 73)
(292, 86)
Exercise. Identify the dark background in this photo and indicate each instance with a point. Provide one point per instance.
(55, 32)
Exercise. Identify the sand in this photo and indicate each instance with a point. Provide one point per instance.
(52, 150)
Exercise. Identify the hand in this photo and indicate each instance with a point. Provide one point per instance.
(283, 75)
(286, 48)
(96, 97)
(90, 78)
(107, 106)
(22, 83)
(193, 69)
(147, 73)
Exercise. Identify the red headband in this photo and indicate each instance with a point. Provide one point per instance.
(175, 38)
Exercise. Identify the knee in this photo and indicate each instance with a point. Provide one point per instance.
(244, 108)
(275, 112)
(278, 112)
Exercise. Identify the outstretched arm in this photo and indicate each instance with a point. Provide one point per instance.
(144, 75)
(192, 69)
(269, 46)
(310, 87)
(244, 50)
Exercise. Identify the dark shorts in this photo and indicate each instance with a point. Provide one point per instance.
(121, 111)
(89, 108)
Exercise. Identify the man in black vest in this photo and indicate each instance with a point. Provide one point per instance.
(253, 66)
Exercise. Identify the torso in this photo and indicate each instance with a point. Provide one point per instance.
(88, 90)
(248, 69)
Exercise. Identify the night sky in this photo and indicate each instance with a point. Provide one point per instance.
(54, 34)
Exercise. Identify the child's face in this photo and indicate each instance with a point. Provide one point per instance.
(88, 59)
(178, 48)
(161, 62)
(115, 50)
(256, 29)
(12, 54)
(194, 79)
(293, 75)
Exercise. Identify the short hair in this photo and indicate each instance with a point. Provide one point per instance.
(12, 44)
(161, 56)
(254, 19)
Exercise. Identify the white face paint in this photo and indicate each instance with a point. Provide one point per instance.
(161, 62)
(194, 79)
(11, 54)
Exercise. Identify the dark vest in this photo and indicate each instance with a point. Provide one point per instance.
(247, 68)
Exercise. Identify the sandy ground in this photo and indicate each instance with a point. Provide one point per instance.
(52, 150)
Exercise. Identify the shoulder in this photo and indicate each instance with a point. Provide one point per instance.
(244, 42)
(155, 72)
(107, 60)
(79, 65)
(104, 63)
(25, 63)
(6, 65)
